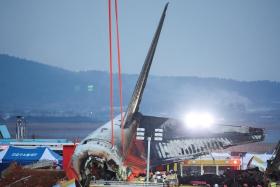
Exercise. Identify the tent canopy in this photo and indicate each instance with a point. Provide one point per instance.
(27, 156)
(256, 160)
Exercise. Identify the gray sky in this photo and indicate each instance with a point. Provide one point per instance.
(220, 38)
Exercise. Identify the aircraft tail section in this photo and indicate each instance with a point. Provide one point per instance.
(141, 82)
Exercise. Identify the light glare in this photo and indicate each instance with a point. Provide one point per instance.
(197, 120)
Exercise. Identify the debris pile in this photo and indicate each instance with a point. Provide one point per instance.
(16, 175)
(249, 177)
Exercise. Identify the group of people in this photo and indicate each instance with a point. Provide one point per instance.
(164, 177)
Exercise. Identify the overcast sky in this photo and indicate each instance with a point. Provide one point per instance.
(219, 38)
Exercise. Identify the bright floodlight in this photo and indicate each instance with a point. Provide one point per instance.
(198, 120)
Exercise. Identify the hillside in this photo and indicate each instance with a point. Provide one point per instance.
(36, 89)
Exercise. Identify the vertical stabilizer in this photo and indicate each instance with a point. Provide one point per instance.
(141, 82)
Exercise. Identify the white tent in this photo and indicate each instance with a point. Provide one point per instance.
(255, 160)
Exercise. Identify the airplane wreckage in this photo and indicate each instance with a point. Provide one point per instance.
(95, 155)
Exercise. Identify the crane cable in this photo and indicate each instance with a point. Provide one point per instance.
(119, 73)
(111, 73)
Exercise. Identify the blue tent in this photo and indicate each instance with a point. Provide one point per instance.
(27, 156)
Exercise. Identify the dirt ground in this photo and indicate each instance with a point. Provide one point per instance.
(16, 176)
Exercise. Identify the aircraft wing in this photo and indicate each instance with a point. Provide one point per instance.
(180, 142)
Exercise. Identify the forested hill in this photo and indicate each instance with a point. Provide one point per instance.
(39, 89)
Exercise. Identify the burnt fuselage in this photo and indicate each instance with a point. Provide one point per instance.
(97, 156)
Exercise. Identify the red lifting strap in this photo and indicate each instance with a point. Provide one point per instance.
(119, 72)
(111, 74)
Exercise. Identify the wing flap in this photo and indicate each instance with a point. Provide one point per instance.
(181, 143)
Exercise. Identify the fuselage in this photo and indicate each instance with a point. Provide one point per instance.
(96, 149)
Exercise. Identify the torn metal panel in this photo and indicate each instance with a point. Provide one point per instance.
(181, 143)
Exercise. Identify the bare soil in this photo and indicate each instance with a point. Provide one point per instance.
(30, 177)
